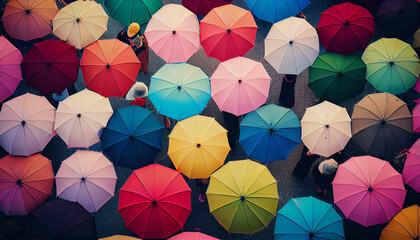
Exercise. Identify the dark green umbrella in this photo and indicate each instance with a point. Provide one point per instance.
(128, 11)
(335, 77)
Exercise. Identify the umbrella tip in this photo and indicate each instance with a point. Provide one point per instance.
(346, 23)
(154, 202)
(173, 32)
(77, 20)
(23, 122)
(83, 179)
(198, 145)
(19, 182)
(228, 31)
(79, 115)
(391, 64)
(291, 42)
(327, 126)
(242, 198)
(28, 11)
(108, 66)
(179, 87)
(383, 121)
(240, 81)
(370, 189)
(311, 234)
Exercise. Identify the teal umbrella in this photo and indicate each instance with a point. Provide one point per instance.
(128, 11)
(179, 90)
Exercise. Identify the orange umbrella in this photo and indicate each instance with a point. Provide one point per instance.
(404, 226)
(109, 67)
(29, 19)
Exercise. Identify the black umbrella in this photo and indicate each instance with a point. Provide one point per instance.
(398, 18)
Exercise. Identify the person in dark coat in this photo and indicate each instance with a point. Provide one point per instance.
(306, 160)
(232, 126)
(287, 91)
(324, 173)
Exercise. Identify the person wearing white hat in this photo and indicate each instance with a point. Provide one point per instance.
(324, 173)
(137, 94)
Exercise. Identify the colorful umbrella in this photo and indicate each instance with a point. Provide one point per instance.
(109, 67)
(198, 146)
(392, 65)
(155, 202)
(416, 118)
(202, 7)
(243, 196)
(336, 78)
(291, 46)
(133, 137)
(308, 218)
(90, 183)
(404, 226)
(80, 118)
(368, 190)
(61, 219)
(240, 85)
(382, 124)
(179, 90)
(276, 10)
(25, 183)
(270, 133)
(345, 28)
(173, 33)
(326, 128)
(29, 19)
(80, 23)
(26, 124)
(192, 236)
(50, 66)
(128, 11)
(412, 166)
(119, 237)
(10, 71)
(227, 32)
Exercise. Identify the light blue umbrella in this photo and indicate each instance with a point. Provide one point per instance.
(270, 133)
(308, 218)
(276, 10)
(179, 90)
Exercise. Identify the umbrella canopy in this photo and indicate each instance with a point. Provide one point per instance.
(326, 128)
(50, 66)
(109, 67)
(227, 32)
(308, 218)
(155, 202)
(270, 133)
(29, 19)
(202, 7)
(26, 124)
(61, 219)
(382, 124)
(398, 18)
(179, 90)
(368, 190)
(80, 118)
(90, 183)
(412, 166)
(119, 237)
(240, 85)
(10, 70)
(416, 41)
(291, 46)
(133, 137)
(243, 196)
(416, 118)
(129, 11)
(276, 10)
(404, 226)
(173, 33)
(392, 65)
(192, 236)
(345, 28)
(336, 78)
(80, 23)
(25, 183)
(198, 146)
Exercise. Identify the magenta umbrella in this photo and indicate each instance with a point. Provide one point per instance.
(411, 172)
(416, 117)
(192, 236)
(368, 190)
(10, 71)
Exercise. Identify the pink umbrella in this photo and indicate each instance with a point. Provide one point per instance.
(240, 85)
(192, 236)
(26, 124)
(86, 177)
(411, 172)
(416, 118)
(10, 71)
(368, 190)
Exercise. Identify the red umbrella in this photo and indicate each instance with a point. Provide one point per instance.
(50, 66)
(202, 7)
(155, 202)
(346, 28)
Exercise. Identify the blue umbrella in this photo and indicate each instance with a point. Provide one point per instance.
(133, 137)
(308, 218)
(179, 90)
(270, 133)
(276, 10)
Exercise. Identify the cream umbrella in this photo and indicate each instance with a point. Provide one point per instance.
(326, 128)
(81, 117)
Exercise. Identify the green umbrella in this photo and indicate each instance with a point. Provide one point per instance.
(335, 77)
(391, 65)
(128, 11)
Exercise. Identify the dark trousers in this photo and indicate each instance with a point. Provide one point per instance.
(304, 165)
(232, 125)
(287, 91)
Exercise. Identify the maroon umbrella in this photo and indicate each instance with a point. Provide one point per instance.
(202, 7)
(50, 66)
(346, 28)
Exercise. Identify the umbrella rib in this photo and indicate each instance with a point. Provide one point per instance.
(389, 198)
(291, 220)
(355, 206)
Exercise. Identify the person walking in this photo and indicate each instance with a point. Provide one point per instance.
(324, 173)
(287, 91)
(232, 126)
(137, 94)
(306, 160)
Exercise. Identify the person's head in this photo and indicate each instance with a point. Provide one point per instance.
(133, 29)
(138, 90)
(328, 166)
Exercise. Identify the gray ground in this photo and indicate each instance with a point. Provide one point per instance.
(109, 221)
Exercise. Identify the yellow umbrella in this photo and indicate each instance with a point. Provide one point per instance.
(243, 196)
(404, 226)
(198, 146)
(119, 237)
(80, 23)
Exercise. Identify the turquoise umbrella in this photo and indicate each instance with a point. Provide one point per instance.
(179, 90)
(308, 218)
